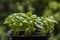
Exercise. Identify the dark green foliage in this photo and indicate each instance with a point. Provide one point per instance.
(38, 7)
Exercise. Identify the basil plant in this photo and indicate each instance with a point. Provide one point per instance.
(30, 23)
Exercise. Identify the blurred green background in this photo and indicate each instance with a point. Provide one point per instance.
(38, 7)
